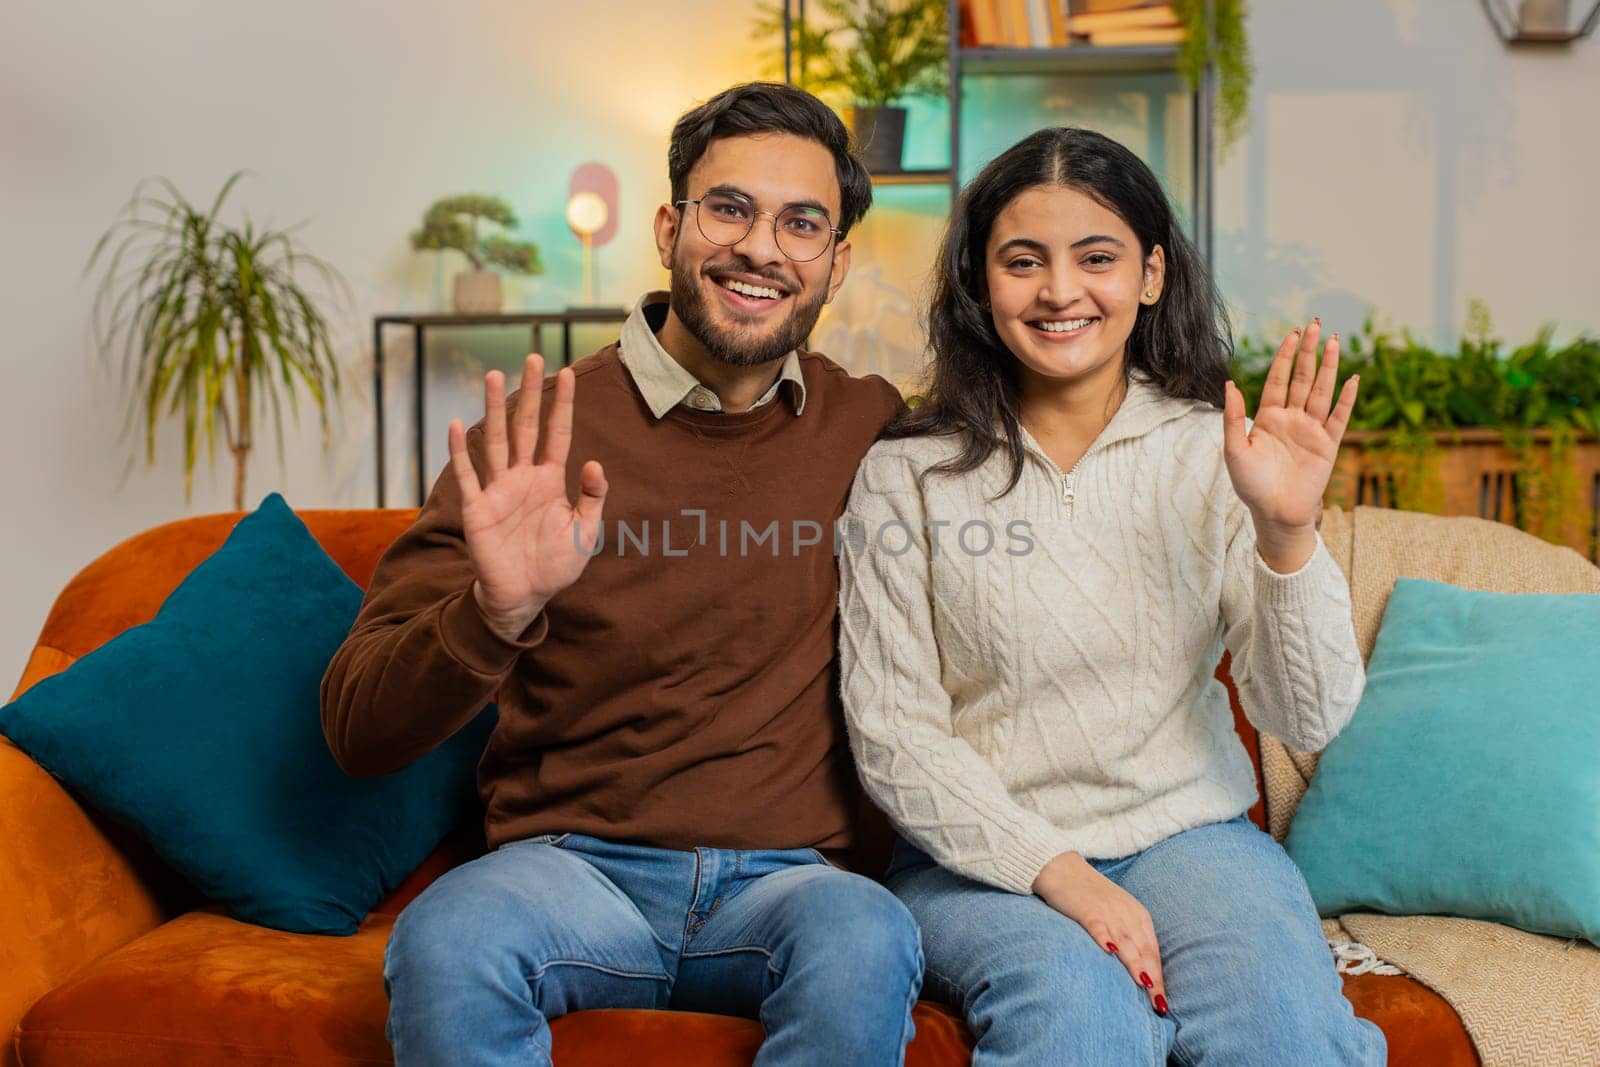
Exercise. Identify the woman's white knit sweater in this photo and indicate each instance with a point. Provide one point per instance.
(1010, 705)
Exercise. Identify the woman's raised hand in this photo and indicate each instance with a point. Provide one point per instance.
(1281, 464)
(519, 524)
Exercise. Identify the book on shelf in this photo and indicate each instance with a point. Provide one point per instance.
(1039, 23)
(1056, 10)
(967, 34)
(1002, 22)
(1055, 23)
(1016, 15)
(984, 18)
(1152, 35)
(1095, 7)
(1143, 17)
(1016, 23)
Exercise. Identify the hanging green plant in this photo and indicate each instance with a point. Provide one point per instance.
(1215, 33)
(1407, 461)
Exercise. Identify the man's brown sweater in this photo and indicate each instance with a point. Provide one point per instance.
(683, 692)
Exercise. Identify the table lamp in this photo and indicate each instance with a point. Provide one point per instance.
(587, 215)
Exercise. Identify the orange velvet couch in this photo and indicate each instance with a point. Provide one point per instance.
(107, 958)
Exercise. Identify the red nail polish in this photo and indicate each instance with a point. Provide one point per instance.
(1161, 1004)
(1111, 946)
(1145, 978)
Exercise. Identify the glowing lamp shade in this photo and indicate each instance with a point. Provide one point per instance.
(592, 209)
(587, 214)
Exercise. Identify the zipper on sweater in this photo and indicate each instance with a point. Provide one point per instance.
(1069, 495)
(1069, 490)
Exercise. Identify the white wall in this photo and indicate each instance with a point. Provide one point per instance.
(1399, 157)
(355, 114)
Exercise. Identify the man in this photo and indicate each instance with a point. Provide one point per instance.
(669, 776)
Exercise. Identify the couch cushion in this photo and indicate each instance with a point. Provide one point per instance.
(205, 989)
(609, 1037)
(200, 729)
(1421, 1027)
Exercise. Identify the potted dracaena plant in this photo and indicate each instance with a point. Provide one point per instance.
(215, 321)
(871, 55)
(454, 222)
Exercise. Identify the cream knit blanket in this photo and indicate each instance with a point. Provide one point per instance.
(1525, 999)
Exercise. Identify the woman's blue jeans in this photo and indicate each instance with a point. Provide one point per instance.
(476, 966)
(1249, 977)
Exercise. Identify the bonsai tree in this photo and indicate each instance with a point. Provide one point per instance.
(453, 223)
(872, 51)
(215, 323)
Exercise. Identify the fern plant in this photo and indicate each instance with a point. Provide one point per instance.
(871, 53)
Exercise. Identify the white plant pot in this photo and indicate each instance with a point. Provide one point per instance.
(477, 292)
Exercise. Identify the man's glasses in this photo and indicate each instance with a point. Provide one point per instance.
(803, 233)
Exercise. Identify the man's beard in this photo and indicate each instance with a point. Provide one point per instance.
(738, 346)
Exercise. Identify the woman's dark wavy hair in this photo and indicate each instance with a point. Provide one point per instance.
(1182, 343)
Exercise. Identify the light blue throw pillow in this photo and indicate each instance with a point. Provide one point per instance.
(202, 730)
(1468, 782)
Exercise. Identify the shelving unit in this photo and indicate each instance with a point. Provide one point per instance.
(919, 176)
(1072, 60)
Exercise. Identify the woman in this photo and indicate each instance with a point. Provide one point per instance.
(1035, 710)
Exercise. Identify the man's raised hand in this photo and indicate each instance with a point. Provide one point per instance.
(519, 523)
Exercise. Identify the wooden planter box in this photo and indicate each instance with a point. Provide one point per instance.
(1474, 472)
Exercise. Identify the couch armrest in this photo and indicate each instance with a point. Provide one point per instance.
(71, 894)
(1247, 734)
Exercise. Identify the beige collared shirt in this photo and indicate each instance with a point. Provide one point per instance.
(663, 380)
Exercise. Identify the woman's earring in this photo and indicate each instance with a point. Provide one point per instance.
(1149, 295)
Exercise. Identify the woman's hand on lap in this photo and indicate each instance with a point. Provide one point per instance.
(1110, 914)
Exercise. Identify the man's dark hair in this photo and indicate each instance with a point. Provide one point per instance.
(770, 107)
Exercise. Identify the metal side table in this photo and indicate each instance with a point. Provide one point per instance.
(536, 321)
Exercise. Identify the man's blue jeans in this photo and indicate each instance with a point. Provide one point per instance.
(1249, 977)
(476, 966)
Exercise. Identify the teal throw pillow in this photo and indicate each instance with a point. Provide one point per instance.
(201, 730)
(1468, 781)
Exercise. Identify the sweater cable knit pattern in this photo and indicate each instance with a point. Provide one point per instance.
(1055, 692)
